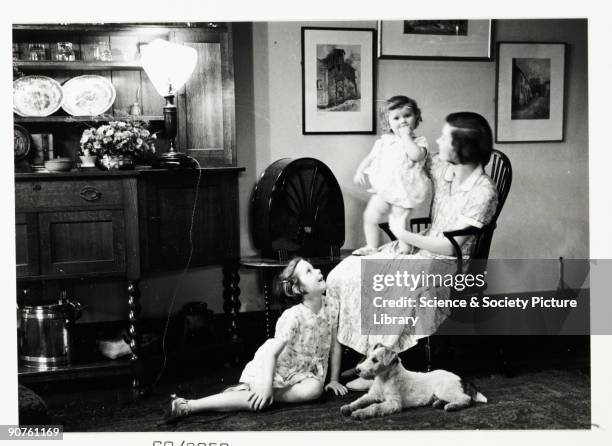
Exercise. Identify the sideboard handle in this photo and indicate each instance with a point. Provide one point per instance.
(89, 193)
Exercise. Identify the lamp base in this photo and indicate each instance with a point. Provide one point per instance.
(175, 160)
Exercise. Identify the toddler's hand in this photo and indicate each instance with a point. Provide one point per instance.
(404, 131)
(261, 396)
(336, 387)
(360, 178)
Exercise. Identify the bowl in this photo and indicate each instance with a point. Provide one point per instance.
(59, 165)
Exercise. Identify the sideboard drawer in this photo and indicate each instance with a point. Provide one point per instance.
(79, 193)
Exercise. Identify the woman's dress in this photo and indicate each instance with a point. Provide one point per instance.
(473, 203)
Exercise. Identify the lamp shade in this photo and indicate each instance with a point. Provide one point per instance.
(168, 64)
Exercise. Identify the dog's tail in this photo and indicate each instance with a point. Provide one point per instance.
(472, 391)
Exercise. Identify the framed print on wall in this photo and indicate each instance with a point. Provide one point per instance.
(435, 39)
(337, 81)
(530, 92)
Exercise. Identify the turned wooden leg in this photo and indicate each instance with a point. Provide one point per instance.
(133, 332)
(267, 284)
(429, 364)
(231, 294)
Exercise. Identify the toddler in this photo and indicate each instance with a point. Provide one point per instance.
(395, 170)
(291, 367)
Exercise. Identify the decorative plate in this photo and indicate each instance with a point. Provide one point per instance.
(22, 142)
(36, 96)
(88, 95)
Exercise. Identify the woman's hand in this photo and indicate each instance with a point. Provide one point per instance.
(360, 178)
(336, 387)
(261, 396)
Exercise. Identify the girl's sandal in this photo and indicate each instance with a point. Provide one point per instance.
(177, 408)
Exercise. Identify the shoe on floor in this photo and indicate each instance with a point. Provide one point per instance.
(365, 251)
(360, 384)
(177, 409)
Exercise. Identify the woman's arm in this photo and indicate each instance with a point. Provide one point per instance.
(261, 394)
(434, 244)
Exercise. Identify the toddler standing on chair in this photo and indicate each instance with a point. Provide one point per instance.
(395, 170)
(292, 366)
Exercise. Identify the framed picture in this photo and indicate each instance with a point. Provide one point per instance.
(530, 92)
(435, 39)
(337, 80)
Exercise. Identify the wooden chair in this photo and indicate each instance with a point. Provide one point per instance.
(500, 171)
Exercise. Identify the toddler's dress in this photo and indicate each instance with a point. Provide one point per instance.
(306, 353)
(394, 177)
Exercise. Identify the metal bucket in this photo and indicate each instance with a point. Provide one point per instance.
(44, 334)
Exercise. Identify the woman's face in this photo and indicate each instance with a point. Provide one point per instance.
(311, 280)
(445, 145)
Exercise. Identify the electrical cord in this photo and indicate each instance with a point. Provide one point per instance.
(179, 279)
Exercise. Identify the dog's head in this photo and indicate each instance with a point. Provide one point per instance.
(379, 360)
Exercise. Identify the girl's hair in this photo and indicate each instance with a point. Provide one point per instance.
(287, 282)
(472, 137)
(395, 102)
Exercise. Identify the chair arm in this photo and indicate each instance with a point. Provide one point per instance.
(385, 227)
(470, 230)
(418, 222)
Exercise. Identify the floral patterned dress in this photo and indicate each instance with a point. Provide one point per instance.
(306, 353)
(473, 203)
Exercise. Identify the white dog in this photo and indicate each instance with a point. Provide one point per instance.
(395, 388)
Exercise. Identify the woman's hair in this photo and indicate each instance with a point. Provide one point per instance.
(287, 282)
(395, 102)
(472, 137)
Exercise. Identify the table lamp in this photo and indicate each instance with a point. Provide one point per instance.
(169, 65)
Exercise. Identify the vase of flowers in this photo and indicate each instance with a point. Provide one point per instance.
(118, 143)
(87, 159)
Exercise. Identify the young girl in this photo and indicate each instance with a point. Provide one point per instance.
(395, 171)
(291, 367)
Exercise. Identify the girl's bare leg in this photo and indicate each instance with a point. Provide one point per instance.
(375, 213)
(306, 390)
(221, 402)
(405, 215)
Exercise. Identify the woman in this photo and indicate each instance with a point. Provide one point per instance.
(463, 196)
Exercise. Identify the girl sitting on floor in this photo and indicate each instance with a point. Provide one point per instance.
(291, 367)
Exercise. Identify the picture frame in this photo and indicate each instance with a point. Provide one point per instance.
(470, 40)
(530, 92)
(338, 81)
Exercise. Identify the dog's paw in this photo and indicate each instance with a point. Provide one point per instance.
(346, 410)
(360, 415)
(439, 404)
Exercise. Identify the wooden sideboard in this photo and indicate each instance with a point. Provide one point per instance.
(90, 224)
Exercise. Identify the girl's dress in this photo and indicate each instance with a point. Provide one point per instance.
(473, 203)
(396, 178)
(306, 353)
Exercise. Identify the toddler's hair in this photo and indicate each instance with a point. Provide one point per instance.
(395, 102)
(285, 281)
